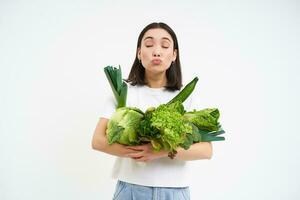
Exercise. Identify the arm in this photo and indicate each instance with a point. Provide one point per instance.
(202, 150)
(197, 151)
(100, 143)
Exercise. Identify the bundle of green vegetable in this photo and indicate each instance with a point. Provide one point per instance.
(166, 127)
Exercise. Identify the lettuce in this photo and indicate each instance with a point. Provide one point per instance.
(165, 127)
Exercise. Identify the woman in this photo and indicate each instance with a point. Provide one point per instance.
(155, 78)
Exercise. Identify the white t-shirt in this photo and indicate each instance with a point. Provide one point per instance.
(162, 172)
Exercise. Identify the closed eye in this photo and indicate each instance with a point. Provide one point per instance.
(165, 44)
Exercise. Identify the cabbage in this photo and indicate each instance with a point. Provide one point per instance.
(206, 119)
(123, 125)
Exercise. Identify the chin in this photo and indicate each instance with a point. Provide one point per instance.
(156, 69)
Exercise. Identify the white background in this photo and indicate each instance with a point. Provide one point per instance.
(245, 53)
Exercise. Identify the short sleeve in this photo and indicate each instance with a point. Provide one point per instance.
(108, 107)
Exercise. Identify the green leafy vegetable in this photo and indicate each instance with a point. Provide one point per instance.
(165, 127)
(185, 92)
(207, 136)
(123, 125)
(118, 86)
(206, 119)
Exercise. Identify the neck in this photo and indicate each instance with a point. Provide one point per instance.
(156, 80)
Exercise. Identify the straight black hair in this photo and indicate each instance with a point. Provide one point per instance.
(173, 73)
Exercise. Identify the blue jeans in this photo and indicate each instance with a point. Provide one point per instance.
(128, 191)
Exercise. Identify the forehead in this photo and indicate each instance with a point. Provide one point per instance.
(158, 34)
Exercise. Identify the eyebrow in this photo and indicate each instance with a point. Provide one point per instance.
(164, 38)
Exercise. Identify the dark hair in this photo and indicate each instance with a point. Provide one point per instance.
(173, 73)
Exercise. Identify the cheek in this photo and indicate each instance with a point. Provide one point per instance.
(145, 53)
(170, 56)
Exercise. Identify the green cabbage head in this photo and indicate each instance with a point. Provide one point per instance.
(123, 125)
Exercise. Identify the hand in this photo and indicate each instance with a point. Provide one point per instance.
(145, 153)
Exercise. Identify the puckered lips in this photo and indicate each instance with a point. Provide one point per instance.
(156, 61)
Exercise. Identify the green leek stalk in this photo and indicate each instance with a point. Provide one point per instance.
(118, 86)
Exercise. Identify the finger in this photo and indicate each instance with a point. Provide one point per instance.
(135, 155)
(133, 151)
(137, 158)
(140, 148)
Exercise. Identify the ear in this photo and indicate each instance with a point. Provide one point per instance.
(174, 54)
(138, 53)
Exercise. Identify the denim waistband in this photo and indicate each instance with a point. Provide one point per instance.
(129, 191)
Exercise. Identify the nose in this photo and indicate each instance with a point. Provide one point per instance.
(156, 52)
